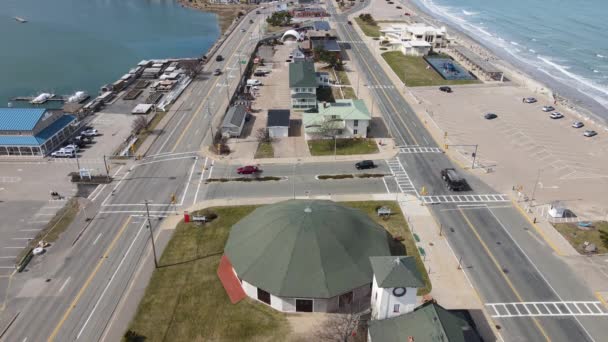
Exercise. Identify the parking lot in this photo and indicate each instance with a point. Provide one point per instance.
(523, 146)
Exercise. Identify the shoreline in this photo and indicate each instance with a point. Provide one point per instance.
(226, 14)
(521, 74)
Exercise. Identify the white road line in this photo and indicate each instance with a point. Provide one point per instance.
(101, 189)
(21, 238)
(11, 267)
(13, 247)
(64, 284)
(167, 154)
(7, 257)
(97, 238)
(200, 181)
(211, 169)
(39, 214)
(93, 192)
(110, 281)
(30, 230)
(117, 184)
(537, 270)
(385, 185)
(188, 182)
(172, 131)
(135, 212)
(164, 160)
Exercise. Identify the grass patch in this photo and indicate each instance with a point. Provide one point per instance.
(53, 229)
(347, 176)
(397, 226)
(369, 30)
(185, 301)
(413, 71)
(598, 235)
(342, 77)
(264, 150)
(325, 147)
(143, 135)
(322, 177)
(349, 93)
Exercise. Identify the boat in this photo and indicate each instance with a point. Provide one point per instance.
(42, 98)
(78, 97)
(21, 20)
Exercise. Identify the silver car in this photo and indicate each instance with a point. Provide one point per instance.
(577, 124)
(590, 133)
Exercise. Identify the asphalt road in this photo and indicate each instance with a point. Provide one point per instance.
(504, 257)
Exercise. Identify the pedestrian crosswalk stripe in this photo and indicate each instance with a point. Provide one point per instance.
(380, 86)
(419, 150)
(535, 309)
(464, 198)
(401, 177)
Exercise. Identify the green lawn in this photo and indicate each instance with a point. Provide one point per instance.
(325, 147)
(414, 70)
(576, 237)
(397, 226)
(185, 300)
(264, 150)
(369, 30)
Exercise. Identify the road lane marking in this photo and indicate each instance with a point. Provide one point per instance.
(538, 230)
(200, 181)
(8, 257)
(117, 184)
(97, 238)
(103, 187)
(94, 191)
(188, 182)
(385, 185)
(64, 284)
(513, 309)
(499, 268)
(172, 131)
(164, 160)
(110, 281)
(536, 268)
(88, 281)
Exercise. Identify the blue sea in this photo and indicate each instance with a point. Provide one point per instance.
(563, 43)
(70, 45)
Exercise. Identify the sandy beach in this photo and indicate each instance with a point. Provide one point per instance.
(566, 98)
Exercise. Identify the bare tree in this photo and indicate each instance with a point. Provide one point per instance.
(328, 128)
(139, 124)
(341, 328)
(263, 135)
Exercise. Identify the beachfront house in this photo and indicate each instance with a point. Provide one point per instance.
(341, 119)
(303, 85)
(416, 39)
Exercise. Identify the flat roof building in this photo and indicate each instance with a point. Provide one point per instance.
(33, 131)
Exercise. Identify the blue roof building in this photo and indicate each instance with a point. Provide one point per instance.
(33, 131)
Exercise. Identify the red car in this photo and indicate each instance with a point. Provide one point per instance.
(247, 170)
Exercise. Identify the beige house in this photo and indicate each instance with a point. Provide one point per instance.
(415, 39)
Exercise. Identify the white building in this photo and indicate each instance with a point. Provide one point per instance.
(278, 123)
(396, 280)
(341, 119)
(416, 39)
(303, 85)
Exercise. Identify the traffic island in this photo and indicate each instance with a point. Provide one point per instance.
(586, 238)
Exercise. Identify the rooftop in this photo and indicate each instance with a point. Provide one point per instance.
(38, 139)
(278, 117)
(302, 74)
(20, 119)
(321, 25)
(429, 322)
(235, 116)
(396, 271)
(326, 44)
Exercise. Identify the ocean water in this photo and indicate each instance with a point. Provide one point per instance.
(70, 45)
(561, 42)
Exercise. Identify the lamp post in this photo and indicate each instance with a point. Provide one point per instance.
(151, 235)
(535, 184)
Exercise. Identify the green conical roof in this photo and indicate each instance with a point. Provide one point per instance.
(306, 248)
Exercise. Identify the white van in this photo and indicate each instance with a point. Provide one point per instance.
(64, 153)
(253, 82)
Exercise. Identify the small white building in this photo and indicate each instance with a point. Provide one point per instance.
(415, 39)
(278, 123)
(234, 121)
(396, 280)
(322, 79)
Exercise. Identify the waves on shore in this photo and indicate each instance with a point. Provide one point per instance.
(562, 48)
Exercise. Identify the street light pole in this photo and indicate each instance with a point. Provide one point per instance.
(535, 184)
(151, 235)
(474, 156)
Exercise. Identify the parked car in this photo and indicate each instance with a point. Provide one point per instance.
(63, 153)
(453, 181)
(84, 139)
(79, 143)
(72, 147)
(556, 115)
(490, 116)
(365, 164)
(350, 22)
(577, 124)
(445, 89)
(529, 100)
(254, 82)
(91, 132)
(257, 12)
(219, 58)
(247, 170)
(548, 108)
(217, 72)
(589, 133)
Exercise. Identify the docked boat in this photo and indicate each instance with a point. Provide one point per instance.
(42, 98)
(21, 20)
(78, 97)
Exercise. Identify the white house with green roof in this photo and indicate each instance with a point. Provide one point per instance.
(343, 119)
(303, 85)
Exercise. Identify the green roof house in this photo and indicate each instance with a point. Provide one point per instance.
(303, 85)
(429, 322)
(306, 255)
(342, 119)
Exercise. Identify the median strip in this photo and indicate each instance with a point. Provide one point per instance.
(350, 176)
(244, 179)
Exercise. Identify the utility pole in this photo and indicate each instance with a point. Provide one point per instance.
(105, 163)
(474, 156)
(535, 184)
(151, 235)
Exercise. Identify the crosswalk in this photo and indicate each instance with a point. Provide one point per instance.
(351, 42)
(401, 177)
(81, 161)
(464, 198)
(535, 309)
(419, 150)
(380, 86)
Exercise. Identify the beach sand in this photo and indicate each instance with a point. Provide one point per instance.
(226, 13)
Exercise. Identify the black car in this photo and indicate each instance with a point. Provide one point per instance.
(365, 164)
(219, 58)
(453, 181)
(217, 72)
(490, 116)
(445, 89)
